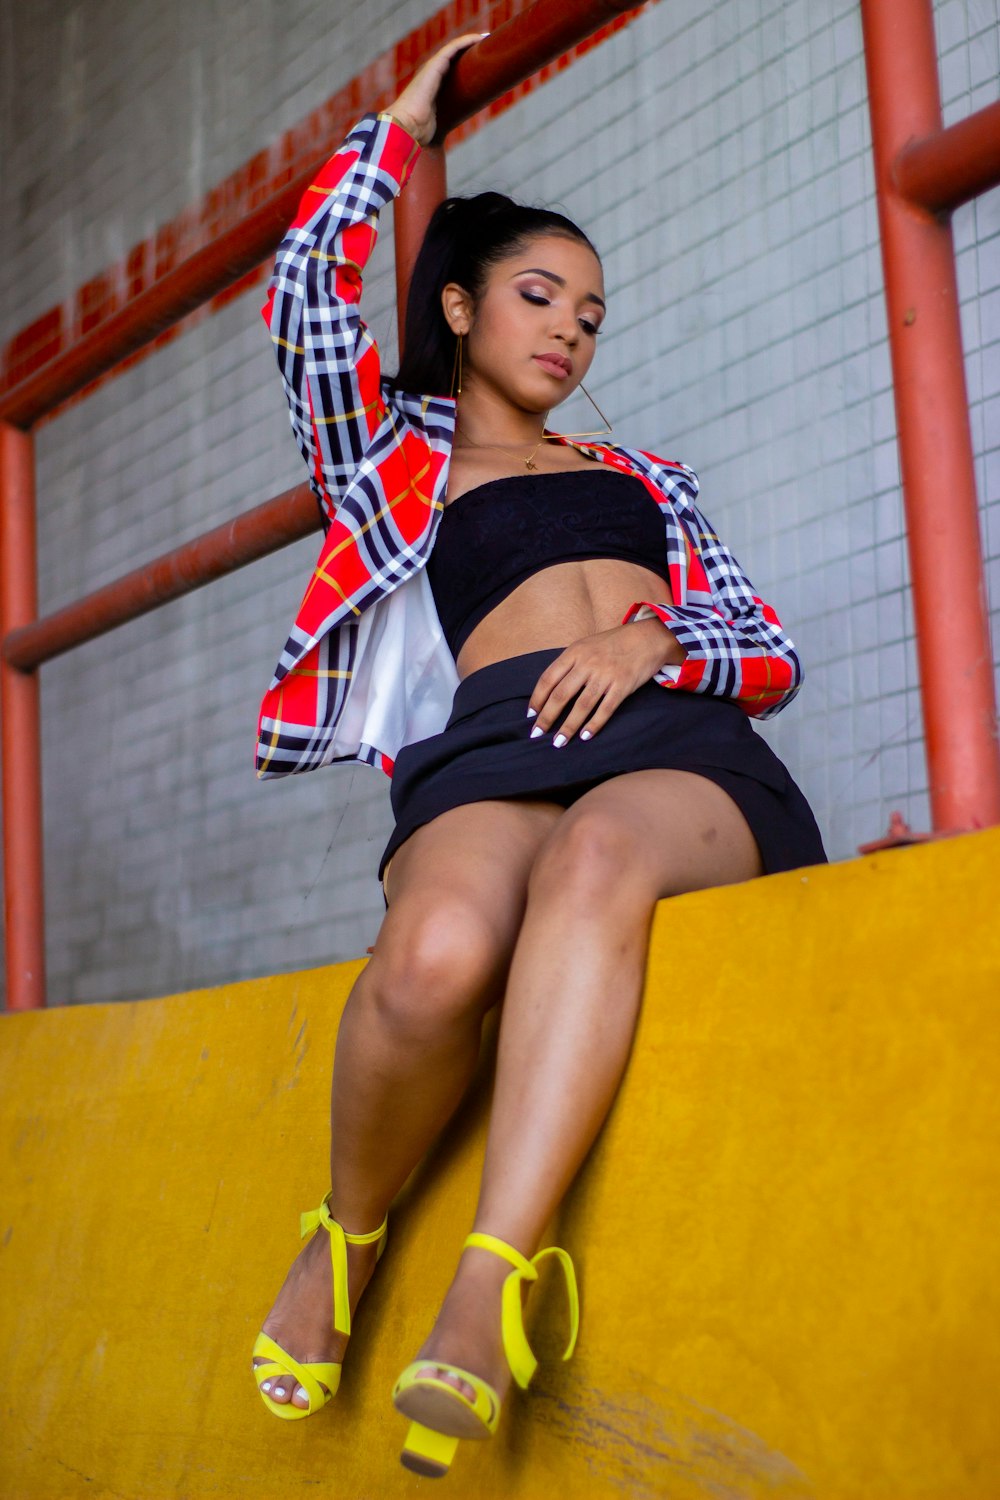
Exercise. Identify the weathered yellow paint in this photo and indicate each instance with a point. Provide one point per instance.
(787, 1236)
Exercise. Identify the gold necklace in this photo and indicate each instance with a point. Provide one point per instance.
(546, 437)
(529, 462)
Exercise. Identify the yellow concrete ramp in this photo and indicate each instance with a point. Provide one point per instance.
(788, 1237)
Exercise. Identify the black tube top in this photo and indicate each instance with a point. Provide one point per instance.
(495, 536)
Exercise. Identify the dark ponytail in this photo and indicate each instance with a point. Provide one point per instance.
(465, 238)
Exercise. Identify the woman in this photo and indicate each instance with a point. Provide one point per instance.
(546, 643)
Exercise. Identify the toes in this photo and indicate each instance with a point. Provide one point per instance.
(448, 1377)
(267, 1386)
(285, 1390)
(463, 1387)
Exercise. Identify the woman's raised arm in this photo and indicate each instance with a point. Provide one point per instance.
(328, 360)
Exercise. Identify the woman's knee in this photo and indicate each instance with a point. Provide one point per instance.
(590, 857)
(436, 964)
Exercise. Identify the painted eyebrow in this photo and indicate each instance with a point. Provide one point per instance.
(559, 281)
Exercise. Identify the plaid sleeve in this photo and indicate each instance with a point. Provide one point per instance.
(734, 644)
(328, 360)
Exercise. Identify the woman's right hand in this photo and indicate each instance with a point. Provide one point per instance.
(416, 106)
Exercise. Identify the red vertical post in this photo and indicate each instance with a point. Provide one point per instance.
(21, 745)
(427, 187)
(932, 419)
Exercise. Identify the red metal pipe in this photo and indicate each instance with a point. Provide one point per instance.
(932, 418)
(427, 187)
(24, 892)
(953, 166)
(267, 528)
(515, 50)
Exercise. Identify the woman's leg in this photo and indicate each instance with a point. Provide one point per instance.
(571, 1005)
(409, 1037)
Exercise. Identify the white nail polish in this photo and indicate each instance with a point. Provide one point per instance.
(536, 732)
(585, 734)
(279, 1390)
(559, 741)
(532, 713)
(266, 1386)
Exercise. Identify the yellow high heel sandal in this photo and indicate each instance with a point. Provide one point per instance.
(440, 1414)
(315, 1375)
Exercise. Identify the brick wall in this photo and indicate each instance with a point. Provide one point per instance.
(719, 156)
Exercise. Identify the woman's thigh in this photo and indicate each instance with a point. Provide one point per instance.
(461, 880)
(654, 833)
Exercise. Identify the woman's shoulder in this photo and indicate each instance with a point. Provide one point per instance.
(412, 418)
(678, 479)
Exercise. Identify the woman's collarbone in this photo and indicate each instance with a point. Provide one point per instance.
(463, 475)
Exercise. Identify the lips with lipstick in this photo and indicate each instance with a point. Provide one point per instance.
(554, 364)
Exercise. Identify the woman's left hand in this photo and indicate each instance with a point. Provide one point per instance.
(599, 672)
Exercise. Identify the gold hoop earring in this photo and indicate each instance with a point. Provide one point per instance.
(457, 367)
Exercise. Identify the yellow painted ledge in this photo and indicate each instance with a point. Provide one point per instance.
(788, 1236)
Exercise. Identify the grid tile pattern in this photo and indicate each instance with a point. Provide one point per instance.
(719, 156)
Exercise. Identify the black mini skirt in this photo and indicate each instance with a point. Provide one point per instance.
(485, 752)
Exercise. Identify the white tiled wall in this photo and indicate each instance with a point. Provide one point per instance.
(718, 154)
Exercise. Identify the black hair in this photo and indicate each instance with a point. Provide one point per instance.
(465, 239)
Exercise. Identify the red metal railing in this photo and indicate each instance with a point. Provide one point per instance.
(916, 164)
(921, 172)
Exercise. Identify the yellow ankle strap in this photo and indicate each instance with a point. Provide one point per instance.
(522, 1361)
(339, 1241)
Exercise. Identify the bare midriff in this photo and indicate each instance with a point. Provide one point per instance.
(559, 604)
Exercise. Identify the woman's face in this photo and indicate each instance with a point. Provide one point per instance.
(533, 335)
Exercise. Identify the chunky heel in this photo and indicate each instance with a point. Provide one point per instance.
(440, 1414)
(428, 1452)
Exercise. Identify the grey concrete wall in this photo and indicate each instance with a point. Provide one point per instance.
(719, 156)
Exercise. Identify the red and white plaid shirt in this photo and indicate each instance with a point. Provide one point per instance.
(366, 669)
